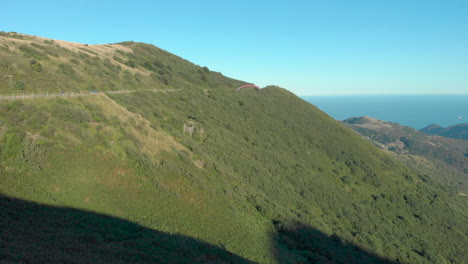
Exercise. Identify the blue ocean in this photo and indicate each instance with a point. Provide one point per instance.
(415, 111)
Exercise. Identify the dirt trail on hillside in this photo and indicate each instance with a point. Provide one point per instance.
(25, 96)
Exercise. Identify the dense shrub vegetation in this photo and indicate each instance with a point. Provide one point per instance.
(201, 172)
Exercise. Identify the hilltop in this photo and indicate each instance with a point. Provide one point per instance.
(203, 174)
(432, 129)
(459, 131)
(363, 120)
(32, 64)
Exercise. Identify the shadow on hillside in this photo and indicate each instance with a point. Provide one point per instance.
(298, 243)
(35, 233)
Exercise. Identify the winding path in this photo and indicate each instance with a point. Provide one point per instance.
(24, 96)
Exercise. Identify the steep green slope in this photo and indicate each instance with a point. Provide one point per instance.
(296, 163)
(263, 175)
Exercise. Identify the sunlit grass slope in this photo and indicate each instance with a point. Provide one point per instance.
(238, 170)
(31, 64)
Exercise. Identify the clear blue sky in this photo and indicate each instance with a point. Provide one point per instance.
(309, 47)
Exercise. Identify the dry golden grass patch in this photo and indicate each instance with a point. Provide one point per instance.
(103, 51)
(154, 141)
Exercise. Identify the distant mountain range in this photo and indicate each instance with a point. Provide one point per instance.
(459, 131)
(440, 157)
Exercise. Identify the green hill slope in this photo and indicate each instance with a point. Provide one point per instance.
(263, 175)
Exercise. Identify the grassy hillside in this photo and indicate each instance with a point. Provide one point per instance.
(33, 64)
(206, 170)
